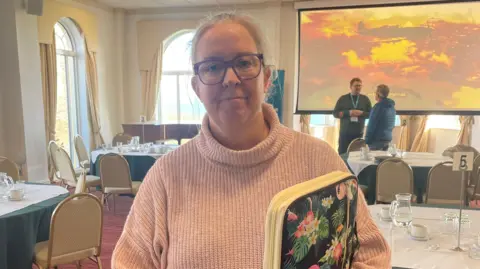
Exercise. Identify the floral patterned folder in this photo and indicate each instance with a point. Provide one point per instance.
(312, 225)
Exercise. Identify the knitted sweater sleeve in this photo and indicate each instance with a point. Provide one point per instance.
(144, 240)
(374, 252)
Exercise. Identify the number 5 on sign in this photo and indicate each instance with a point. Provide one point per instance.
(463, 161)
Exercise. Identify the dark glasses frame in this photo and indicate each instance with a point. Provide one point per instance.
(229, 64)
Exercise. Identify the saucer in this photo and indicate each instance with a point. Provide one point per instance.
(426, 238)
(15, 199)
(383, 219)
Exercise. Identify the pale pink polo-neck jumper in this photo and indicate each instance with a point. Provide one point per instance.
(203, 206)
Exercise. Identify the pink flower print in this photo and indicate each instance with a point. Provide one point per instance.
(341, 191)
(314, 267)
(298, 233)
(337, 252)
(290, 253)
(292, 216)
(309, 218)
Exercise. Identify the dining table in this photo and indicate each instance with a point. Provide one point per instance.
(26, 222)
(139, 161)
(366, 169)
(436, 250)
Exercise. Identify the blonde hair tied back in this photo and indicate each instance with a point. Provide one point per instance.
(242, 19)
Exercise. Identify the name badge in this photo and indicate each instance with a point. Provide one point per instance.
(354, 119)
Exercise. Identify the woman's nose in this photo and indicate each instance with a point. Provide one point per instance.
(231, 78)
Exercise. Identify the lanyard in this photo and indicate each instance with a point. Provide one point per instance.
(355, 104)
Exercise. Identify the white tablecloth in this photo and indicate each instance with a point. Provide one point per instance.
(98, 152)
(33, 194)
(414, 159)
(409, 253)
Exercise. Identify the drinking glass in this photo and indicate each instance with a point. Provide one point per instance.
(466, 223)
(474, 252)
(401, 210)
(392, 149)
(6, 183)
(449, 220)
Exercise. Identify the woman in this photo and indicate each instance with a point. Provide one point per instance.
(204, 204)
(381, 121)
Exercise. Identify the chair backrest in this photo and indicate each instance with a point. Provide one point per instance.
(121, 137)
(443, 185)
(356, 145)
(65, 167)
(76, 225)
(474, 176)
(81, 149)
(52, 148)
(114, 171)
(460, 148)
(81, 184)
(476, 183)
(9, 167)
(393, 176)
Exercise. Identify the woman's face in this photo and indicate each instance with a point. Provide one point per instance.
(232, 101)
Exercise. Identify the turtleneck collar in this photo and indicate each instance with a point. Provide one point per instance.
(277, 138)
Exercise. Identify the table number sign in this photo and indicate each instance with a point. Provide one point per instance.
(462, 161)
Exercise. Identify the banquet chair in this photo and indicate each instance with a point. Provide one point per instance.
(356, 145)
(460, 148)
(67, 174)
(81, 184)
(443, 185)
(393, 176)
(121, 137)
(473, 175)
(115, 177)
(9, 167)
(473, 191)
(52, 148)
(75, 233)
(82, 153)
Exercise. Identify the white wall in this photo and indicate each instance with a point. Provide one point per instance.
(146, 29)
(22, 126)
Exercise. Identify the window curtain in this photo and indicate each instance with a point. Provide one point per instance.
(420, 142)
(404, 141)
(92, 93)
(465, 134)
(48, 67)
(305, 123)
(150, 84)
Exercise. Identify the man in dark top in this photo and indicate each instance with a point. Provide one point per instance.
(352, 109)
(382, 120)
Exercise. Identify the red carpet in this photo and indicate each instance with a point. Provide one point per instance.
(112, 229)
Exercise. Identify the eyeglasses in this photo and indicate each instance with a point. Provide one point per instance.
(246, 66)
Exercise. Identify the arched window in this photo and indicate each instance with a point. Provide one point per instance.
(178, 102)
(69, 104)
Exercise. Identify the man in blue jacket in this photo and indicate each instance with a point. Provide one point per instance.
(381, 121)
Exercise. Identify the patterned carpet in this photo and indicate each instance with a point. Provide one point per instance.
(112, 228)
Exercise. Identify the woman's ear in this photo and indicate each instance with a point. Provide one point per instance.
(266, 78)
(194, 82)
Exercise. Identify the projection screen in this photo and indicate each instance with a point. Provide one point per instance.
(428, 54)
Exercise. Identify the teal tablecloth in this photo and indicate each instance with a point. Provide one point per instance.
(139, 166)
(368, 177)
(22, 229)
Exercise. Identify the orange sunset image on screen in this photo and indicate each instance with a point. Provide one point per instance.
(429, 55)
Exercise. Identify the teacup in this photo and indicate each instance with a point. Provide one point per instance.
(385, 213)
(418, 230)
(16, 194)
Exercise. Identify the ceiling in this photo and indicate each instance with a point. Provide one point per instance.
(136, 4)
